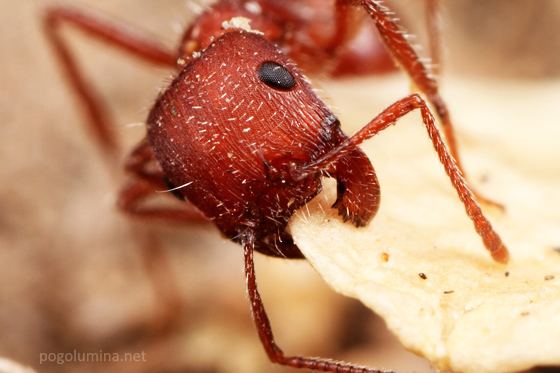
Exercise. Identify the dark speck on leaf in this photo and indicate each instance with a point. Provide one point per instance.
(548, 277)
(506, 274)
(423, 276)
(385, 257)
(448, 291)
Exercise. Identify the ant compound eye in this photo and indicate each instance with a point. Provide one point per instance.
(276, 76)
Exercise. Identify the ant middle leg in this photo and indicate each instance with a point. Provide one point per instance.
(148, 180)
(125, 38)
(142, 46)
(264, 329)
(134, 194)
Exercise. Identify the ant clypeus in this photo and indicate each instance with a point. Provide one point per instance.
(242, 137)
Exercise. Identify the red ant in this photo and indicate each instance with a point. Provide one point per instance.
(240, 136)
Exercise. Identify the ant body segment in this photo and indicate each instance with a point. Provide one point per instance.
(241, 137)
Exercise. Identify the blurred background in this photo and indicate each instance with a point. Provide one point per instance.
(76, 275)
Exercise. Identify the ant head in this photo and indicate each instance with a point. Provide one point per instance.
(244, 104)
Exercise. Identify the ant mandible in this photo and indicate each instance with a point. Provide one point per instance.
(240, 136)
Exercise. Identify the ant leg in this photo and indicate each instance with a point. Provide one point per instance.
(148, 180)
(433, 24)
(403, 52)
(133, 195)
(169, 300)
(264, 329)
(142, 163)
(356, 47)
(387, 118)
(125, 38)
(154, 258)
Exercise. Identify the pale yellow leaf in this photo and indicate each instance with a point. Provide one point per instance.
(469, 314)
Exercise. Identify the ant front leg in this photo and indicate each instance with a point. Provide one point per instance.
(275, 354)
(403, 52)
(149, 179)
(125, 38)
(387, 118)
